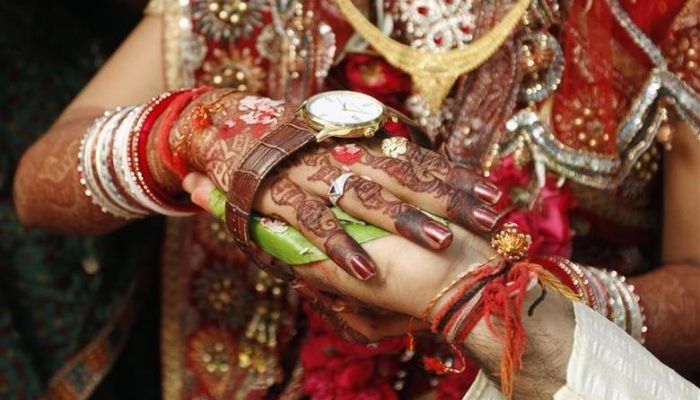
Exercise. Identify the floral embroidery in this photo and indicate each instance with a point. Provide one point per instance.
(227, 20)
(261, 110)
(237, 69)
(220, 295)
(228, 128)
(211, 354)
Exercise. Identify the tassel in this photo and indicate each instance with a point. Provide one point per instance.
(503, 298)
(438, 367)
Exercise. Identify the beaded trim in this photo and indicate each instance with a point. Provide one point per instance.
(635, 135)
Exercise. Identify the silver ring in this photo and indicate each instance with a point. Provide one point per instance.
(337, 189)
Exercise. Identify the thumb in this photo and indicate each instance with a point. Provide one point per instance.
(200, 188)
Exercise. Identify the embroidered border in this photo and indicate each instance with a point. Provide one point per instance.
(81, 374)
(172, 295)
(183, 49)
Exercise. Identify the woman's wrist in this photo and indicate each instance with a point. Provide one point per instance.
(216, 129)
(204, 130)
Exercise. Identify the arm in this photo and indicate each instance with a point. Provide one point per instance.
(46, 189)
(670, 293)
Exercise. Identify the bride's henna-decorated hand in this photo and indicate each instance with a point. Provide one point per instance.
(384, 191)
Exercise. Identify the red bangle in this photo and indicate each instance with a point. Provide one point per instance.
(139, 159)
(172, 160)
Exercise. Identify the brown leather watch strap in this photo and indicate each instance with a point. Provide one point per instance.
(276, 146)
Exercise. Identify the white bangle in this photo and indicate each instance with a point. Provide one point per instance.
(87, 168)
(115, 154)
(102, 151)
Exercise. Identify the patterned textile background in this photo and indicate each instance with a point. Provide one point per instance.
(57, 292)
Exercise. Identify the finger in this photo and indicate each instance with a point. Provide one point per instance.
(455, 175)
(377, 328)
(200, 187)
(310, 215)
(193, 180)
(415, 185)
(322, 303)
(374, 204)
(355, 321)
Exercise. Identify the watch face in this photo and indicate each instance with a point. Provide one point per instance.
(344, 108)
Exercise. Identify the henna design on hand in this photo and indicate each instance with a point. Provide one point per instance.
(408, 221)
(372, 201)
(232, 130)
(47, 189)
(459, 177)
(326, 174)
(461, 207)
(318, 223)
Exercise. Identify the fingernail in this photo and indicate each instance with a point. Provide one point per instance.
(486, 217)
(438, 233)
(338, 307)
(363, 268)
(487, 192)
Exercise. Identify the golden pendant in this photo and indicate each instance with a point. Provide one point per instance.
(434, 74)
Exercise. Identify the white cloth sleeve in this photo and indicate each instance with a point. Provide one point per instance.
(606, 364)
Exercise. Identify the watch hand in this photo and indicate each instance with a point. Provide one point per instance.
(341, 102)
(356, 111)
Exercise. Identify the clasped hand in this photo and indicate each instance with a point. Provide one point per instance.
(389, 189)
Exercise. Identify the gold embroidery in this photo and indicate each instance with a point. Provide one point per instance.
(183, 49)
(434, 74)
(172, 297)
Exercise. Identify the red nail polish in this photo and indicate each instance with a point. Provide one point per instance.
(362, 267)
(439, 233)
(486, 217)
(487, 192)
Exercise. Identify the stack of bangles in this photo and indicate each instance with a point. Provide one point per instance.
(498, 288)
(113, 163)
(607, 292)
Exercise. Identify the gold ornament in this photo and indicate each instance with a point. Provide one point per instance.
(511, 243)
(394, 146)
(434, 74)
